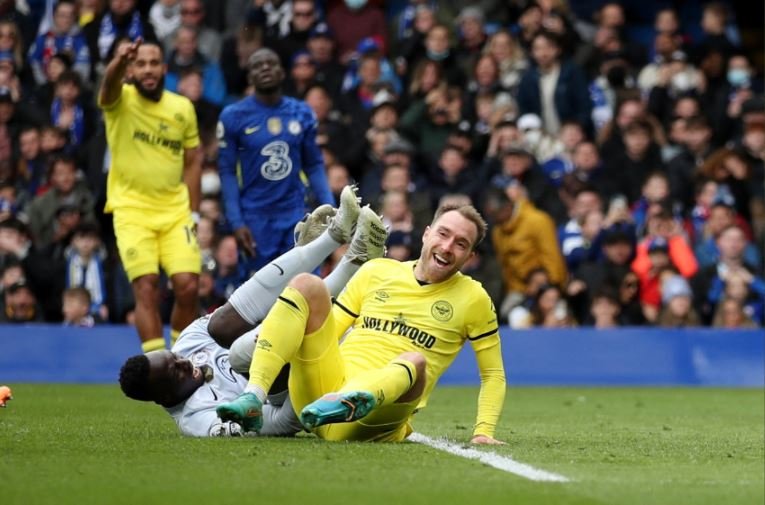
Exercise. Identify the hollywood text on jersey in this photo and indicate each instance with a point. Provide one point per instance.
(417, 336)
(174, 145)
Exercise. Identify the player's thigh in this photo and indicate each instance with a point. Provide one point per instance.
(389, 423)
(318, 368)
(137, 241)
(178, 246)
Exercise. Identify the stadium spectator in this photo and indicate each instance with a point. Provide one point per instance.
(121, 19)
(605, 311)
(628, 170)
(72, 111)
(152, 209)
(76, 308)
(20, 304)
(509, 55)
(663, 247)
(731, 315)
(186, 56)
(548, 310)
(193, 15)
(302, 75)
(165, 17)
(524, 239)
(709, 285)
(85, 268)
(321, 47)
(12, 48)
(64, 36)
(553, 89)
(242, 44)
(46, 222)
(264, 208)
(677, 309)
(353, 20)
(191, 85)
(304, 18)
(721, 216)
(732, 173)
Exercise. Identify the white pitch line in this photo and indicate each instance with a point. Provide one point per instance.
(489, 458)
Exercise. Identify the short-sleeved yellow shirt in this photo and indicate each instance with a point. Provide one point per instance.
(147, 140)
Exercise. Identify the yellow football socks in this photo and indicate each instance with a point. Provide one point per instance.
(153, 344)
(388, 384)
(174, 334)
(287, 321)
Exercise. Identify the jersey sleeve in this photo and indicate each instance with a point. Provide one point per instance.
(483, 335)
(227, 161)
(191, 134)
(113, 108)
(347, 306)
(313, 162)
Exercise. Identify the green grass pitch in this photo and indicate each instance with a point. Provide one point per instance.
(64, 444)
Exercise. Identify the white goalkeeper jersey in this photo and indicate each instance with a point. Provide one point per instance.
(196, 416)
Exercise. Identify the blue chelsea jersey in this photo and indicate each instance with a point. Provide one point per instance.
(272, 145)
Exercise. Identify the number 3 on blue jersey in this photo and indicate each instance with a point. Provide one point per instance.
(279, 165)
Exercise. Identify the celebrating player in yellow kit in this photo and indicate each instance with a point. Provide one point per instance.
(153, 185)
(408, 321)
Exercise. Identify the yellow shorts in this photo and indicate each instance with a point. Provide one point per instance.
(147, 241)
(319, 368)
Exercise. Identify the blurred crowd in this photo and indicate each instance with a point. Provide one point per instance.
(616, 148)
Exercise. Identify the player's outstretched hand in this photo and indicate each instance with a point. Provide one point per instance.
(485, 440)
(127, 52)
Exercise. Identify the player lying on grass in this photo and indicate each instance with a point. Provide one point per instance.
(407, 320)
(198, 374)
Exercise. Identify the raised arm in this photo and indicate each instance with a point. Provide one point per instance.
(111, 86)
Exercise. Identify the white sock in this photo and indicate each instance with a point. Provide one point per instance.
(257, 391)
(339, 277)
(253, 299)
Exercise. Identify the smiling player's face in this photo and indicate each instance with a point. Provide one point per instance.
(266, 72)
(446, 245)
(172, 379)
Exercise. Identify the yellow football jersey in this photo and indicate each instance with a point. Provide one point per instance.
(392, 313)
(147, 140)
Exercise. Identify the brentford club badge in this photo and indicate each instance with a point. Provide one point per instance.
(274, 125)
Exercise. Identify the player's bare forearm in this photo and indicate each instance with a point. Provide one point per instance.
(111, 86)
(192, 175)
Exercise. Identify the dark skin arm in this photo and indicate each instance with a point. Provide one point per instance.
(111, 86)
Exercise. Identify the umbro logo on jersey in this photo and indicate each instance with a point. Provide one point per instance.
(251, 129)
(381, 296)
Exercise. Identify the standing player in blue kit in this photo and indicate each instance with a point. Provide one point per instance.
(266, 141)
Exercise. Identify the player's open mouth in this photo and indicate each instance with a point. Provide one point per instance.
(440, 261)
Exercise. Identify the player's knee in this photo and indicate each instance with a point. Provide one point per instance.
(146, 290)
(309, 285)
(186, 288)
(418, 360)
(226, 325)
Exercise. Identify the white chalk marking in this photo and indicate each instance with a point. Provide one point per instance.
(489, 458)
